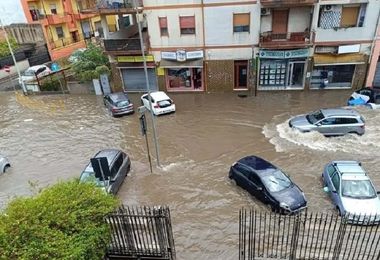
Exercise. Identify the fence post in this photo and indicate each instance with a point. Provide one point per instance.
(340, 237)
(294, 240)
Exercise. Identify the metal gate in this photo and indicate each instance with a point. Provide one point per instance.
(306, 236)
(376, 80)
(141, 233)
(134, 79)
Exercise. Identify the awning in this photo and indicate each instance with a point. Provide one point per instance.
(185, 64)
(342, 59)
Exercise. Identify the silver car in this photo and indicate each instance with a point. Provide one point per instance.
(352, 191)
(330, 122)
(4, 163)
(118, 104)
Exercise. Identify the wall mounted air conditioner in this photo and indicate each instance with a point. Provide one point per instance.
(265, 11)
(330, 8)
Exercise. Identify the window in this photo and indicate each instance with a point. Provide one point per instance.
(346, 120)
(255, 179)
(241, 22)
(163, 22)
(53, 8)
(59, 31)
(329, 121)
(243, 170)
(349, 16)
(336, 76)
(116, 166)
(276, 181)
(187, 24)
(342, 16)
(336, 182)
(330, 170)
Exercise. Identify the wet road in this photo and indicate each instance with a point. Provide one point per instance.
(48, 138)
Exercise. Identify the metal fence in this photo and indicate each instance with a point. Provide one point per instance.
(307, 236)
(141, 233)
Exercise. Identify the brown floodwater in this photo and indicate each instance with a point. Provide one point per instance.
(51, 138)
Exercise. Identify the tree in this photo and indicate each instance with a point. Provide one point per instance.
(88, 64)
(64, 221)
(4, 49)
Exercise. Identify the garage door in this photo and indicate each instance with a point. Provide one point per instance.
(376, 80)
(134, 79)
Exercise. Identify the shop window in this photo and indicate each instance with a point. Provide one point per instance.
(53, 8)
(273, 73)
(187, 24)
(184, 79)
(59, 31)
(336, 76)
(241, 22)
(163, 22)
(342, 16)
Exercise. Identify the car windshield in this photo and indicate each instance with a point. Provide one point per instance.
(315, 117)
(29, 73)
(359, 189)
(164, 103)
(90, 177)
(123, 103)
(276, 181)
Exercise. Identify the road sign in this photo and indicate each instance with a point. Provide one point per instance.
(101, 169)
(141, 109)
(143, 124)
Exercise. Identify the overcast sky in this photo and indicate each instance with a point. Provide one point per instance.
(11, 12)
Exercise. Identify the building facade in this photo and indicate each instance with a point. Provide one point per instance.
(373, 77)
(65, 28)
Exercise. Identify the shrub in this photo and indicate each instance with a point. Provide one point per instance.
(64, 221)
(50, 84)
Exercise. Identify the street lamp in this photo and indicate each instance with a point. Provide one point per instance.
(147, 85)
(14, 59)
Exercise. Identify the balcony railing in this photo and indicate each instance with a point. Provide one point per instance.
(58, 18)
(65, 42)
(275, 3)
(131, 45)
(268, 39)
(107, 5)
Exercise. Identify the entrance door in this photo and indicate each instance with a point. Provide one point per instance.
(296, 74)
(280, 24)
(241, 75)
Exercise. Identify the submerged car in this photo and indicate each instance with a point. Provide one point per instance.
(119, 165)
(352, 191)
(161, 103)
(31, 74)
(268, 184)
(4, 164)
(330, 122)
(118, 104)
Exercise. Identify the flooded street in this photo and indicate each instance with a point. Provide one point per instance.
(48, 138)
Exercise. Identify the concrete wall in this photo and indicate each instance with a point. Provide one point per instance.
(22, 65)
(298, 20)
(219, 75)
(26, 33)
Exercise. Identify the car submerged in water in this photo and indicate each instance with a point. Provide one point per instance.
(268, 184)
(330, 122)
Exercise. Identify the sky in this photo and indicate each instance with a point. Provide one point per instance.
(11, 12)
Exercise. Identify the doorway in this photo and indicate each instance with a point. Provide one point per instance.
(241, 75)
(280, 24)
(296, 74)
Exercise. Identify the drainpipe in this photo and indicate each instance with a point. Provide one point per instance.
(372, 49)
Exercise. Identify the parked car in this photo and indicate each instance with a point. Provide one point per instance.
(352, 191)
(268, 183)
(32, 73)
(119, 165)
(118, 104)
(161, 103)
(330, 122)
(4, 163)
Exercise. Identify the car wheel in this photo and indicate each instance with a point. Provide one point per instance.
(230, 175)
(6, 167)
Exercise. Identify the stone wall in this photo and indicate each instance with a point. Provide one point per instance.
(359, 76)
(116, 81)
(219, 75)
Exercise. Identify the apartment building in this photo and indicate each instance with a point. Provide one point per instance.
(64, 27)
(373, 77)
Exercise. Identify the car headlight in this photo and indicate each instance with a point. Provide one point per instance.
(284, 205)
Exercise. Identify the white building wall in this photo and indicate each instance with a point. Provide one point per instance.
(364, 33)
(148, 3)
(229, 54)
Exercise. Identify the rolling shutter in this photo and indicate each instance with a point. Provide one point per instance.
(134, 80)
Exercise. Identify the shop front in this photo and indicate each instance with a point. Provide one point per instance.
(133, 74)
(279, 69)
(183, 70)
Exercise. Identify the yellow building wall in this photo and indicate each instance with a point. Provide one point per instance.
(53, 32)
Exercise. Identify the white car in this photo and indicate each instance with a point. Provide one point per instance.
(4, 163)
(31, 73)
(161, 103)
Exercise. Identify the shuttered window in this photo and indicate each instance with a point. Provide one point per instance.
(187, 24)
(349, 16)
(163, 21)
(241, 22)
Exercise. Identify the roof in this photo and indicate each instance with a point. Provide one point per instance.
(118, 96)
(159, 95)
(257, 163)
(352, 168)
(327, 112)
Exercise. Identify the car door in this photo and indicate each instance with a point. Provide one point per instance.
(336, 187)
(116, 174)
(257, 187)
(242, 176)
(326, 126)
(348, 124)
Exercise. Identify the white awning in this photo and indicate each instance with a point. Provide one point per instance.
(186, 64)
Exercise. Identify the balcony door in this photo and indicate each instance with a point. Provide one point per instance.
(280, 23)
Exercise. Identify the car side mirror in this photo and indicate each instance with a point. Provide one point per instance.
(318, 124)
(260, 188)
(326, 189)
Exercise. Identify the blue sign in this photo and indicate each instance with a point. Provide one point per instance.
(55, 67)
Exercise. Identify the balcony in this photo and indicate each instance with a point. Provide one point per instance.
(108, 6)
(129, 46)
(58, 19)
(286, 3)
(63, 42)
(286, 40)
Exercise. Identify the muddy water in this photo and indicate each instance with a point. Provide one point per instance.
(49, 138)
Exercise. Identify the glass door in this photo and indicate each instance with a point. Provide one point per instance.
(296, 74)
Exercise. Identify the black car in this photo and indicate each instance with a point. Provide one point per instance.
(118, 104)
(268, 183)
(119, 165)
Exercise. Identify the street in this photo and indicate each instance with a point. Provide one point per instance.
(51, 138)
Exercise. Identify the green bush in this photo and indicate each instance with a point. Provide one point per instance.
(64, 221)
(4, 49)
(52, 84)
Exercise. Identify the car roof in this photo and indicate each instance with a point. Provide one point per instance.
(257, 164)
(118, 96)
(159, 95)
(110, 154)
(350, 169)
(327, 112)
(37, 67)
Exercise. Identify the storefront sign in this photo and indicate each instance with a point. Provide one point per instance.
(182, 55)
(135, 58)
(300, 53)
(349, 49)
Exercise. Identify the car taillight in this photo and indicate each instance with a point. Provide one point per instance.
(114, 109)
(362, 126)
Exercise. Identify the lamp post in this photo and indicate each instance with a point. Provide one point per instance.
(13, 57)
(147, 86)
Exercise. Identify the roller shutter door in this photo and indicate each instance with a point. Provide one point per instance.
(134, 80)
(376, 80)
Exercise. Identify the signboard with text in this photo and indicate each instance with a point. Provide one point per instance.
(182, 55)
(268, 54)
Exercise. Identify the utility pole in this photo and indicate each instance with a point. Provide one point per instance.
(147, 85)
(13, 57)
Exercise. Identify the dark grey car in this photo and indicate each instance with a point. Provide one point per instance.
(119, 165)
(330, 122)
(118, 104)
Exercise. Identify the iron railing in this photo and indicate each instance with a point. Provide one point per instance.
(141, 233)
(84, 5)
(301, 37)
(62, 42)
(130, 44)
(308, 236)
